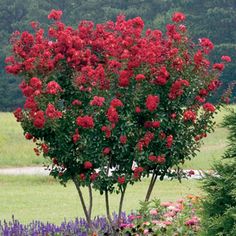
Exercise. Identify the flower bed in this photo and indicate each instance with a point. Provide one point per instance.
(153, 218)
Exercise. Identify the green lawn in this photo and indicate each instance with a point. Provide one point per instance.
(16, 151)
(42, 198)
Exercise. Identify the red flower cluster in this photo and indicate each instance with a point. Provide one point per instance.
(157, 159)
(169, 141)
(52, 113)
(76, 136)
(123, 139)
(189, 115)
(53, 88)
(88, 165)
(137, 172)
(152, 102)
(152, 124)
(39, 119)
(112, 115)
(18, 114)
(178, 17)
(85, 121)
(55, 14)
(116, 103)
(209, 107)
(97, 101)
(144, 142)
(121, 179)
(176, 89)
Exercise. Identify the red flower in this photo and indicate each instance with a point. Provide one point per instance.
(123, 139)
(176, 89)
(169, 141)
(124, 78)
(219, 66)
(36, 83)
(112, 115)
(93, 176)
(137, 109)
(85, 121)
(53, 87)
(226, 58)
(116, 103)
(121, 180)
(140, 77)
(45, 148)
(190, 115)
(39, 119)
(209, 107)
(28, 136)
(76, 102)
(52, 113)
(152, 158)
(161, 159)
(55, 14)
(88, 165)
(18, 114)
(97, 101)
(76, 136)
(214, 84)
(82, 177)
(178, 17)
(152, 102)
(106, 150)
(206, 44)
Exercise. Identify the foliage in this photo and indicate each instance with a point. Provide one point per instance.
(208, 18)
(219, 207)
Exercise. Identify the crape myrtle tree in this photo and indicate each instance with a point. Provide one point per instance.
(110, 103)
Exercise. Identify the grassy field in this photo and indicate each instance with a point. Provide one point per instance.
(16, 151)
(42, 198)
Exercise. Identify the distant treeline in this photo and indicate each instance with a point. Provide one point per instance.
(215, 19)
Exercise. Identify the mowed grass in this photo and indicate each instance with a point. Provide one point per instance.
(42, 198)
(15, 150)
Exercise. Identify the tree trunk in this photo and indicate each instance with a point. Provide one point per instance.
(86, 212)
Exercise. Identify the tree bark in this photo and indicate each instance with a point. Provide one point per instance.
(86, 213)
(151, 185)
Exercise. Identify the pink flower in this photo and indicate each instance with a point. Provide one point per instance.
(153, 212)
